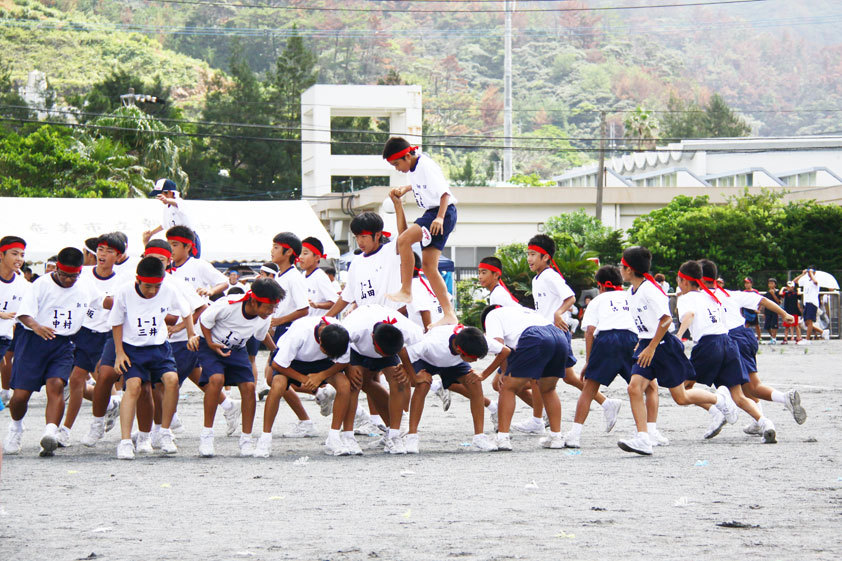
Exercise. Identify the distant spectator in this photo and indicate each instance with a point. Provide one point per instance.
(770, 321)
(662, 280)
(752, 320)
(811, 290)
(331, 274)
(792, 306)
(234, 282)
(50, 265)
(27, 273)
(89, 248)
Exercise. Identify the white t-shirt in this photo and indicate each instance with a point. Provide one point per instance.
(609, 310)
(428, 183)
(434, 347)
(199, 274)
(732, 304)
(811, 292)
(648, 306)
(127, 268)
(96, 318)
(360, 324)
(371, 277)
(509, 323)
(175, 216)
(423, 300)
(295, 292)
(236, 285)
(707, 314)
(229, 325)
(143, 319)
(61, 309)
(189, 298)
(299, 343)
(499, 297)
(319, 289)
(12, 292)
(549, 290)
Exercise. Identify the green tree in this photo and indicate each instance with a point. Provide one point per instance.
(641, 127)
(12, 105)
(586, 232)
(104, 96)
(690, 120)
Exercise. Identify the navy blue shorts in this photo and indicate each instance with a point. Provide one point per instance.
(306, 368)
(716, 361)
(611, 354)
(109, 354)
(571, 360)
(5, 345)
(278, 333)
(541, 352)
(185, 360)
(375, 364)
(89, 345)
(253, 346)
(149, 363)
(669, 365)
(37, 360)
(747, 345)
(770, 321)
(426, 219)
(810, 312)
(448, 374)
(236, 367)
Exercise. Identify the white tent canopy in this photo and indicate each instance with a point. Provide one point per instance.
(230, 231)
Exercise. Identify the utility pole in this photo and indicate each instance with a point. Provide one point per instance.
(507, 95)
(600, 174)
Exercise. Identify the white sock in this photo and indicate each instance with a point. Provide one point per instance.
(16, 426)
(266, 436)
(394, 433)
(113, 402)
(577, 429)
(720, 400)
(305, 421)
(778, 397)
(538, 420)
(51, 428)
(644, 436)
(227, 404)
(97, 421)
(492, 406)
(165, 431)
(650, 427)
(555, 434)
(142, 435)
(503, 434)
(377, 419)
(348, 434)
(155, 427)
(333, 432)
(207, 431)
(245, 436)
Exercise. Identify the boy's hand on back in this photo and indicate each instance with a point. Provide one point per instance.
(122, 363)
(44, 332)
(218, 349)
(423, 377)
(193, 343)
(355, 377)
(472, 378)
(560, 323)
(312, 383)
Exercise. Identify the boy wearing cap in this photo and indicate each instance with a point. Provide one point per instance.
(234, 282)
(13, 287)
(174, 213)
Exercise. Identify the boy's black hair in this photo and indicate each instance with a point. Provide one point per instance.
(150, 267)
(709, 269)
(315, 242)
(417, 264)
(366, 222)
(334, 340)
(162, 244)
(544, 242)
(329, 271)
(6, 240)
(639, 259)
(486, 311)
(113, 241)
(181, 232)
(609, 273)
(289, 239)
(123, 237)
(493, 261)
(471, 341)
(388, 338)
(236, 290)
(52, 259)
(692, 269)
(265, 287)
(71, 257)
(395, 145)
(91, 243)
(26, 269)
(772, 279)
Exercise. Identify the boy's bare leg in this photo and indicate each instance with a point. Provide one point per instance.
(170, 401)
(128, 406)
(77, 382)
(408, 237)
(55, 400)
(552, 404)
(509, 386)
(273, 401)
(416, 405)
(248, 405)
(652, 402)
(430, 264)
(294, 403)
(477, 399)
(340, 403)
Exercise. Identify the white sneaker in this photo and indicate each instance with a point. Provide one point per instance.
(495, 419)
(793, 405)
(445, 396)
(263, 448)
(826, 334)
(143, 444)
(753, 428)
(112, 413)
(717, 421)
(483, 443)
(610, 410)
(125, 450)
(167, 444)
(554, 442)
(380, 426)
(637, 445)
(246, 446)
(325, 397)
(302, 429)
(769, 435)
(394, 446)
(352, 445)
(729, 409)
(335, 447)
(12, 444)
(410, 441)
(404, 428)
(530, 426)
(95, 434)
(49, 442)
(232, 418)
(176, 426)
(571, 440)
(658, 439)
(504, 442)
(155, 439)
(206, 449)
(366, 429)
(63, 436)
(5, 396)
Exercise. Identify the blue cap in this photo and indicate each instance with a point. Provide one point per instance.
(163, 185)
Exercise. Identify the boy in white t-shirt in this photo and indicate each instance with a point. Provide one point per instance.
(490, 277)
(811, 290)
(320, 291)
(205, 279)
(13, 287)
(174, 213)
(431, 230)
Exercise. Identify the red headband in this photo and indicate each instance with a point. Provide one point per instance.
(368, 233)
(286, 246)
(543, 251)
(158, 251)
(608, 285)
(150, 280)
(401, 154)
(456, 329)
(494, 269)
(13, 245)
(646, 276)
(314, 249)
(715, 285)
(390, 321)
(255, 297)
(185, 241)
(69, 270)
(701, 285)
(108, 245)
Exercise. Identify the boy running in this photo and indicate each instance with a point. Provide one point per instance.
(13, 287)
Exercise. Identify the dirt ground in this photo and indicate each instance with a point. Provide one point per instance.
(449, 502)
